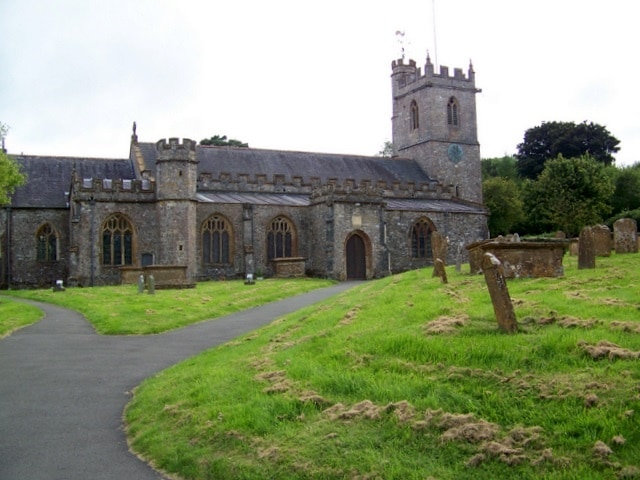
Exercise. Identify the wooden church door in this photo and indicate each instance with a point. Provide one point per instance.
(356, 258)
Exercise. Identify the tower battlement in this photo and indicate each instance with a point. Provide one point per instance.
(173, 149)
(409, 73)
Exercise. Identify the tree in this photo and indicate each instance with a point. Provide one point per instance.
(387, 150)
(502, 199)
(504, 167)
(568, 195)
(10, 174)
(568, 139)
(626, 195)
(222, 141)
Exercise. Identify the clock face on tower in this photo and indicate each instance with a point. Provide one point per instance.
(455, 152)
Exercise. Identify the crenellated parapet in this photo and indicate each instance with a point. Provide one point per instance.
(173, 149)
(409, 75)
(118, 189)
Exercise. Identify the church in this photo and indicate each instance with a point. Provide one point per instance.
(187, 212)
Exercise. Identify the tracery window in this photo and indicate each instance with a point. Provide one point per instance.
(415, 119)
(453, 116)
(46, 244)
(216, 240)
(421, 238)
(281, 238)
(117, 241)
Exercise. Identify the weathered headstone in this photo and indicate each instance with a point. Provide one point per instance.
(439, 246)
(586, 249)
(152, 285)
(439, 270)
(141, 284)
(625, 235)
(602, 240)
(497, 285)
(459, 253)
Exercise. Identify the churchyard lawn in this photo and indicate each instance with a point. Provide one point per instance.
(121, 310)
(409, 378)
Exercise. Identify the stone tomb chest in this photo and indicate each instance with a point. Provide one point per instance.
(522, 259)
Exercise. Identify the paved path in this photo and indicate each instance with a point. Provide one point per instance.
(63, 389)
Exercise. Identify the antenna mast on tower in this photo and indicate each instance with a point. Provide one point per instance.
(435, 39)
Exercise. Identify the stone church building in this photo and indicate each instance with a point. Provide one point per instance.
(206, 212)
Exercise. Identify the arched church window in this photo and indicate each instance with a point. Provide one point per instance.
(453, 112)
(281, 238)
(216, 240)
(415, 119)
(117, 240)
(46, 244)
(421, 238)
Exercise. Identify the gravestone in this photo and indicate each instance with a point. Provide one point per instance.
(497, 285)
(602, 240)
(439, 270)
(141, 284)
(459, 253)
(152, 285)
(625, 235)
(586, 249)
(439, 246)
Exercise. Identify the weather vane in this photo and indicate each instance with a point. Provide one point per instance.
(400, 38)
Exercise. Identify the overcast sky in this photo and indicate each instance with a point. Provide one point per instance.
(304, 75)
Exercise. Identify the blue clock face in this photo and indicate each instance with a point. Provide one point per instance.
(455, 152)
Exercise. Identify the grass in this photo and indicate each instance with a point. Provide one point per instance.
(122, 310)
(408, 378)
(16, 315)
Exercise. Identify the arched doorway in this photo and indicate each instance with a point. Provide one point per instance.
(356, 254)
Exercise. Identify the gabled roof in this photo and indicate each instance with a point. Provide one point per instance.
(307, 165)
(49, 178)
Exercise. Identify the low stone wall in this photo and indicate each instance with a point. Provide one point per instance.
(522, 259)
(165, 276)
(289, 267)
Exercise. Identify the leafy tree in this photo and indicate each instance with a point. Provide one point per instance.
(223, 141)
(502, 199)
(10, 175)
(387, 150)
(626, 195)
(568, 139)
(569, 194)
(504, 167)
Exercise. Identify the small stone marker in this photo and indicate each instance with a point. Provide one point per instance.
(439, 270)
(249, 279)
(59, 286)
(625, 235)
(497, 285)
(152, 285)
(439, 246)
(459, 257)
(141, 284)
(586, 249)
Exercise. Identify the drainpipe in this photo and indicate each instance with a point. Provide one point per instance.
(9, 250)
(92, 203)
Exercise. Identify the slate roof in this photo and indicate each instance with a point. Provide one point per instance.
(302, 200)
(254, 161)
(49, 178)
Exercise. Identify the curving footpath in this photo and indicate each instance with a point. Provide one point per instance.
(63, 388)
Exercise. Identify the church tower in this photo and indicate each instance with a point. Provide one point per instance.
(434, 122)
(176, 175)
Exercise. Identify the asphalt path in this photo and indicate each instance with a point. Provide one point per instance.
(63, 388)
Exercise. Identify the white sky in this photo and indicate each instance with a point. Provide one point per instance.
(304, 75)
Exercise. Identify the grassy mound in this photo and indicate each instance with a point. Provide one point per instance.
(409, 378)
